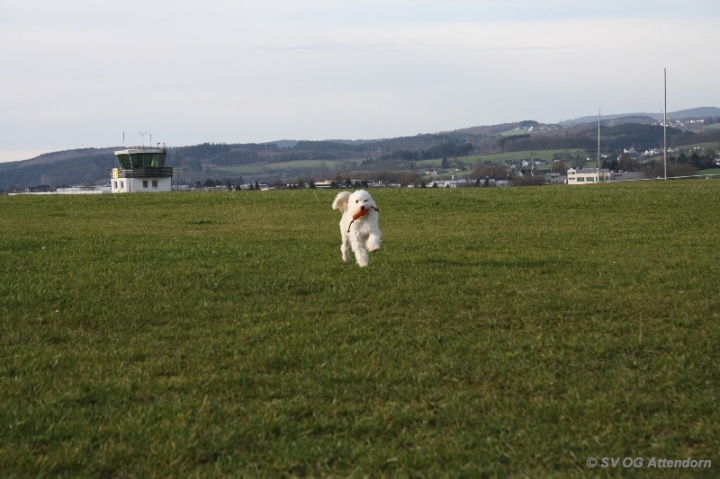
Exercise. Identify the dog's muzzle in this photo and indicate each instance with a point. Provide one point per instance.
(362, 208)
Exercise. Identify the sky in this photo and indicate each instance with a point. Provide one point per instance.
(88, 73)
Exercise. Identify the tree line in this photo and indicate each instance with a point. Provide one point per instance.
(440, 151)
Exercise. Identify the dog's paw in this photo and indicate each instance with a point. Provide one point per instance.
(373, 244)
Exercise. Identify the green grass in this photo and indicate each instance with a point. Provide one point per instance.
(499, 332)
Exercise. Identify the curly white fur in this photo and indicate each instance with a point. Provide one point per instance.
(361, 234)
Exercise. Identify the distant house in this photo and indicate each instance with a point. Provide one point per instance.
(584, 176)
(449, 183)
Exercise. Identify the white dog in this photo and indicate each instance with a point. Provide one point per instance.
(359, 225)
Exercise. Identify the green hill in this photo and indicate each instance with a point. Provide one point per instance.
(289, 160)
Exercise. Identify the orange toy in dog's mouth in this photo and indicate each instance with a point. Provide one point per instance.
(360, 214)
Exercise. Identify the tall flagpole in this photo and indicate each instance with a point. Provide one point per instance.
(665, 123)
(599, 114)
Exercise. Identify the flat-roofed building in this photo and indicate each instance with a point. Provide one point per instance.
(141, 169)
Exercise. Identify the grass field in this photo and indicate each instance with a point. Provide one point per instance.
(500, 332)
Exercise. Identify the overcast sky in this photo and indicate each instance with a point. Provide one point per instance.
(79, 73)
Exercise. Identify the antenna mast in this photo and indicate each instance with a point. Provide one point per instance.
(599, 113)
(665, 123)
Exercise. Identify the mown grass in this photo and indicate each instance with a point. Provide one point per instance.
(499, 332)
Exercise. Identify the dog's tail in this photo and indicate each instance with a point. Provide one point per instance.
(341, 201)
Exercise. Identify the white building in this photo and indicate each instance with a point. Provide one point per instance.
(83, 190)
(584, 176)
(141, 170)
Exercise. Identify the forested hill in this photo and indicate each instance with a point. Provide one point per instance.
(702, 112)
(613, 138)
(198, 162)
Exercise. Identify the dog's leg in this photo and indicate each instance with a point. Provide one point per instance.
(361, 256)
(373, 242)
(345, 249)
(345, 243)
(358, 246)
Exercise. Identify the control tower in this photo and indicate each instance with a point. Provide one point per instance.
(141, 169)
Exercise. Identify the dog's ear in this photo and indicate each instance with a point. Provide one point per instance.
(341, 200)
